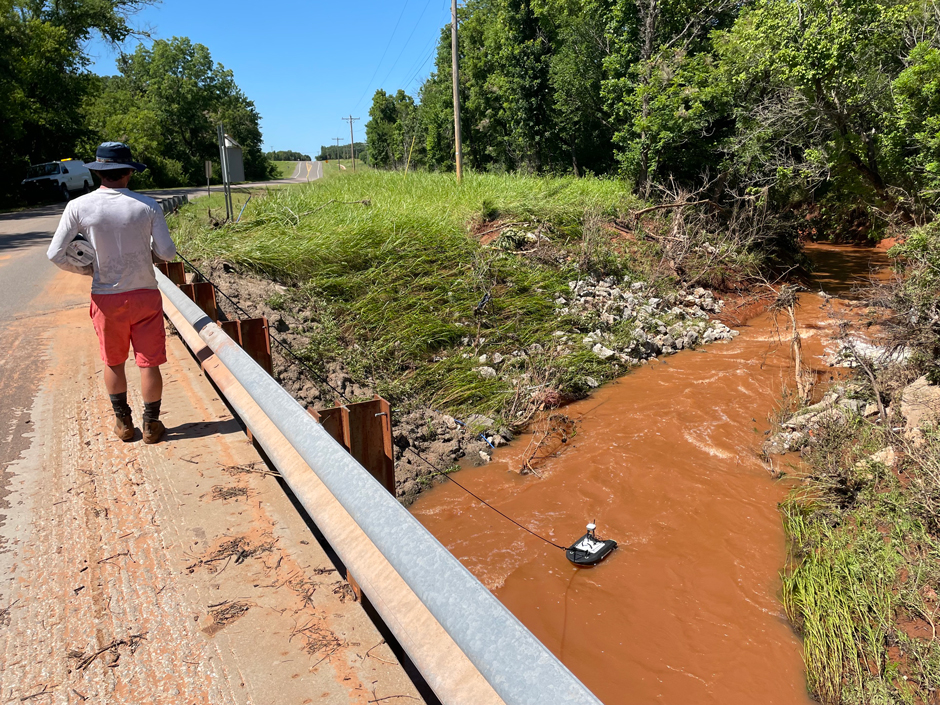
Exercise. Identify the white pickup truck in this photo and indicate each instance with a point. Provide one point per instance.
(56, 180)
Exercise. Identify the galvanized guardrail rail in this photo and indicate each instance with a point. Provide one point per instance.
(518, 667)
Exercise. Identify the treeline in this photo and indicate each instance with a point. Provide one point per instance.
(287, 155)
(165, 102)
(832, 102)
(342, 152)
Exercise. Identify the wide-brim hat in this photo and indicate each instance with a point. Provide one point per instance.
(114, 155)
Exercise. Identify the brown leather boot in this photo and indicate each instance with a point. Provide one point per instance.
(153, 431)
(124, 428)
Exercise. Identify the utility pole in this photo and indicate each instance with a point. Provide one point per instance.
(352, 142)
(458, 148)
(337, 140)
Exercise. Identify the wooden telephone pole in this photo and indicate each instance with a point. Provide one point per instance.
(337, 140)
(352, 142)
(458, 146)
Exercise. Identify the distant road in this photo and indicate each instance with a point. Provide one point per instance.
(307, 171)
(25, 235)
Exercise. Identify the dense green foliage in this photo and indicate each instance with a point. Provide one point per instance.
(43, 77)
(287, 155)
(342, 152)
(916, 300)
(833, 102)
(165, 102)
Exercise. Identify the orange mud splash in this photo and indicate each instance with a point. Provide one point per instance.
(686, 610)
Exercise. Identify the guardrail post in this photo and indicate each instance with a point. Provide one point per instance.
(364, 430)
(203, 294)
(334, 422)
(174, 272)
(252, 335)
(257, 342)
(370, 439)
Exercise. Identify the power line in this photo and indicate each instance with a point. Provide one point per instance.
(418, 65)
(420, 68)
(379, 64)
(395, 63)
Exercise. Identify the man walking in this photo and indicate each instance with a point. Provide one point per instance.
(124, 228)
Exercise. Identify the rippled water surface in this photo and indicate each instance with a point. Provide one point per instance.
(666, 461)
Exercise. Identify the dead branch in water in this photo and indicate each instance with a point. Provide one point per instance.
(787, 300)
(548, 441)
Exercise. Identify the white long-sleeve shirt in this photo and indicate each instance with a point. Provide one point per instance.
(124, 228)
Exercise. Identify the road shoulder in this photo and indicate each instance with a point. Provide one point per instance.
(178, 572)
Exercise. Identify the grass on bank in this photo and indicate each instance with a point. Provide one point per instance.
(864, 569)
(386, 270)
(285, 170)
(332, 167)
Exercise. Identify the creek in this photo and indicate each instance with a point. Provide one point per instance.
(667, 461)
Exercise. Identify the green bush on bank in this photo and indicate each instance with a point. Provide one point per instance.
(864, 568)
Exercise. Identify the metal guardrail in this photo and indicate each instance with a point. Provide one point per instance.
(173, 202)
(516, 664)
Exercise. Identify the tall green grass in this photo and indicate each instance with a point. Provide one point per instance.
(393, 262)
(863, 546)
(285, 169)
(300, 231)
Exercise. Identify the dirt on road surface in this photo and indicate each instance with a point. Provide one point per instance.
(172, 573)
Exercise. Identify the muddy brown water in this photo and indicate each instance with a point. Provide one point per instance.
(666, 461)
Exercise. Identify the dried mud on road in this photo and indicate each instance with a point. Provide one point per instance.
(178, 572)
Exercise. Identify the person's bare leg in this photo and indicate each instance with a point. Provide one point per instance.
(115, 381)
(151, 384)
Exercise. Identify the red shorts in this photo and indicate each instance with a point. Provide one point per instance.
(132, 317)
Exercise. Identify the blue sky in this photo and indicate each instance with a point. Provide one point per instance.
(304, 64)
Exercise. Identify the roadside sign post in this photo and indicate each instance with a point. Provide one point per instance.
(226, 184)
(208, 177)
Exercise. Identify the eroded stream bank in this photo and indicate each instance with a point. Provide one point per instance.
(666, 461)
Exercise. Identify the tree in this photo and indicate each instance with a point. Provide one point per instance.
(287, 155)
(660, 90)
(814, 97)
(44, 78)
(916, 142)
(393, 130)
(166, 103)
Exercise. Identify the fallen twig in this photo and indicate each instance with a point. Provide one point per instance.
(369, 654)
(132, 641)
(503, 227)
(389, 697)
(116, 555)
(5, 610)
(44, 691)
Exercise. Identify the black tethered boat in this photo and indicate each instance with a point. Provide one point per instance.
(590, 550)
